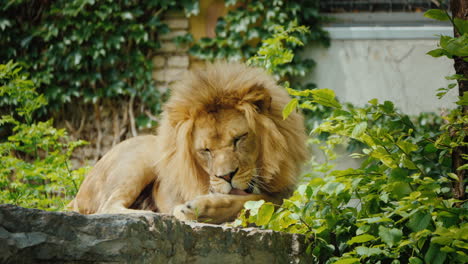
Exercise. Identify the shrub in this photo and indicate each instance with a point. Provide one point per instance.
(35, 168)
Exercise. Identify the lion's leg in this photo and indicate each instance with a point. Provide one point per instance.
(118, 203)
(118, 179)
(124, 195)
(123, 186)
(214, 208)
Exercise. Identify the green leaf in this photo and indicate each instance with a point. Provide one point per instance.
(444, 40)
(463, 100)
(191, 7)
(407, 146)
(430, 148)
(361, 239)
(291, 106)
(264, 214)
(461, 25)
(434, 255)
(453, 176)
(376, 219)
(325, 97)
(456, 46)
(399, 175)
(366, 252)
(359, 129)
(304, 93)
(419, 221)
(381, 154)
(437, 53)
(436, 14)
(447, 249)
(390, 236)
(460, 244)
(388, 107)
(347, 261)
(253, 206)
(407, 163)
(415, 260)
(441, 240)
(456, 77)
(374, 101)
(333, 188)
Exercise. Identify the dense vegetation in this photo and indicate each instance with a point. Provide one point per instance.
(399, 205)
(35, 167)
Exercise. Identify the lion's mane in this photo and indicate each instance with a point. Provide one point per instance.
(253, 92)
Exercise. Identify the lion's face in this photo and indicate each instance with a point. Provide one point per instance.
(227, 149)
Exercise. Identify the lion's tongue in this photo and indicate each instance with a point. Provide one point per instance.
(238, 192)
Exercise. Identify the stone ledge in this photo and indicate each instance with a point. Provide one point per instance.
(31, 236)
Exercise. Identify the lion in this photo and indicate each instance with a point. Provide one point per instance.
(221, 141)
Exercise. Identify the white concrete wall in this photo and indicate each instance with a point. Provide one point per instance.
(398, 70)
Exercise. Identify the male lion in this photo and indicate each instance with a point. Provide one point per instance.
(222, 141)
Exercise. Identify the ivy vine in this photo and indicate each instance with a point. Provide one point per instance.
(239, 33)
(87, 50)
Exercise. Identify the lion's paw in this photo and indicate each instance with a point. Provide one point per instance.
(186, 212)
(212, 208)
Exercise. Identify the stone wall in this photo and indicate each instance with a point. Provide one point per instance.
(35, 236)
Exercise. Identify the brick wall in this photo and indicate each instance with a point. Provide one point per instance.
(171, 61)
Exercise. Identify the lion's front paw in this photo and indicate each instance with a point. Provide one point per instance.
(187, 211)
(212, 208)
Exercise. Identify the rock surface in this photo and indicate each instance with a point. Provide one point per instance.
(36, 236)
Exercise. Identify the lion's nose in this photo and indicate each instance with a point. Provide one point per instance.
(228, 176)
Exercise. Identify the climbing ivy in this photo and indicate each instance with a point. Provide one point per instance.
(240, 32)
(87, 50)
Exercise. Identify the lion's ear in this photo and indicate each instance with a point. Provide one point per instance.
(259, 97)
(175, 115)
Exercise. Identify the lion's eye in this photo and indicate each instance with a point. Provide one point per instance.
(239, 138)
(205, 151)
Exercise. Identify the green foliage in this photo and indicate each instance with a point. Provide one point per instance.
(450, 46)
(273, 52)
(241, 32)
(87, 50)
(35, 160)
(397, 207)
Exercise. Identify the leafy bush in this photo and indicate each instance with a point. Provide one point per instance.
(398, 207)
(35, 166)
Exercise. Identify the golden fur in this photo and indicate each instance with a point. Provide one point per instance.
(221, 132)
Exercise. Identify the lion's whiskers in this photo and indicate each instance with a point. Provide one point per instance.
(256, 181)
